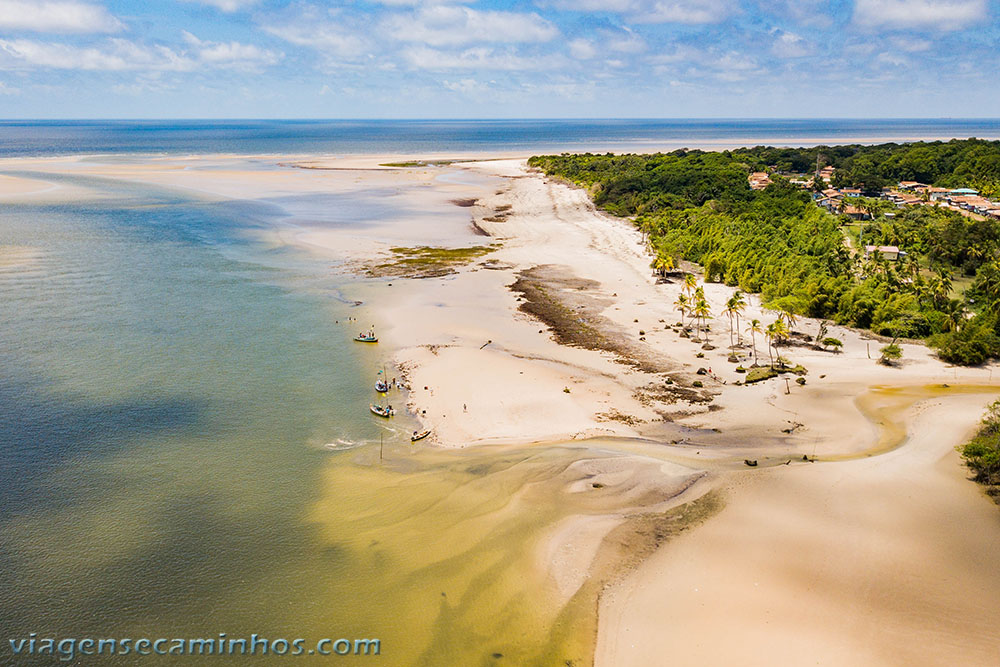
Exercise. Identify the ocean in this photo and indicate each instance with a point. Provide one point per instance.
(185, 444)
(326, 137)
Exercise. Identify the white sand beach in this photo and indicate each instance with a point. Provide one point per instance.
(875, 554)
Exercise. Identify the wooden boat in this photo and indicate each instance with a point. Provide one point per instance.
(750, 462)
(382, 383)
(382, 411)
(369, 337)
(419, 435)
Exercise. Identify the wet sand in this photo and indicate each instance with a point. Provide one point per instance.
(882, 560)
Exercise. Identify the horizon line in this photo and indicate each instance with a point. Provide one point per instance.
(508, 119)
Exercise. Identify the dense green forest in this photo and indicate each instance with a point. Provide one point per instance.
(971, 163)
(698, 206)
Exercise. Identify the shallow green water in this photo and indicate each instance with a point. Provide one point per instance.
(167, 389)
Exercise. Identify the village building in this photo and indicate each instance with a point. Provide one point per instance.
(759, 180)
(825, 174)
(889, 252)
(855, 213)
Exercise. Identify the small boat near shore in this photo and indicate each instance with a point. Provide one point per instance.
(382, 382)
(369, 337)
(419, 435)
(382, 411)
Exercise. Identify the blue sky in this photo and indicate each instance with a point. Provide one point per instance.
(489, 59)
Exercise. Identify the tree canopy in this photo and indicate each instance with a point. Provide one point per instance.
(698, 206)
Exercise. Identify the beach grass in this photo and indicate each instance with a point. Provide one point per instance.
(421, 163)
(427, 261)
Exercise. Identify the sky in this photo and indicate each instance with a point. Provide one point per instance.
(491, 59)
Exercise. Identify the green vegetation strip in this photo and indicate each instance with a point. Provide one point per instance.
(698, 206)
(427, 261)
(422, 163)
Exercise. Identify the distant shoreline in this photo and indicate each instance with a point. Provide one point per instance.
(521, 138)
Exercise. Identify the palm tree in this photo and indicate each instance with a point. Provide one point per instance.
(941, 286)
(699, 295)
(776, 331)
(783, 333)
(663, 264)
(702, 311)
(728, 312)
(988, 279)
(790, 318)
(754, 328)
(734, 307)
(956, 313)
(772, 333)
(682, 304)
(690, 282)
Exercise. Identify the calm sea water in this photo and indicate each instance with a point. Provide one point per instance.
(20, 138)
(186, 450)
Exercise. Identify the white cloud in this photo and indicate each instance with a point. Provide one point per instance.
(227, 5)
(416, 3)
(478, 58)
(7, 90)
(572, 90)
(581, 49)
(658, 11)
(329, 32)
(231, 54)
(116, 55)
(59, 16)
(144, 84)
(440, 25)
(910, 44)
(467, 86)
(892, 60)
(622, 41)
(930, 14)
(678, 54)
(789, 45)
(685, 11)
(805, 12)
